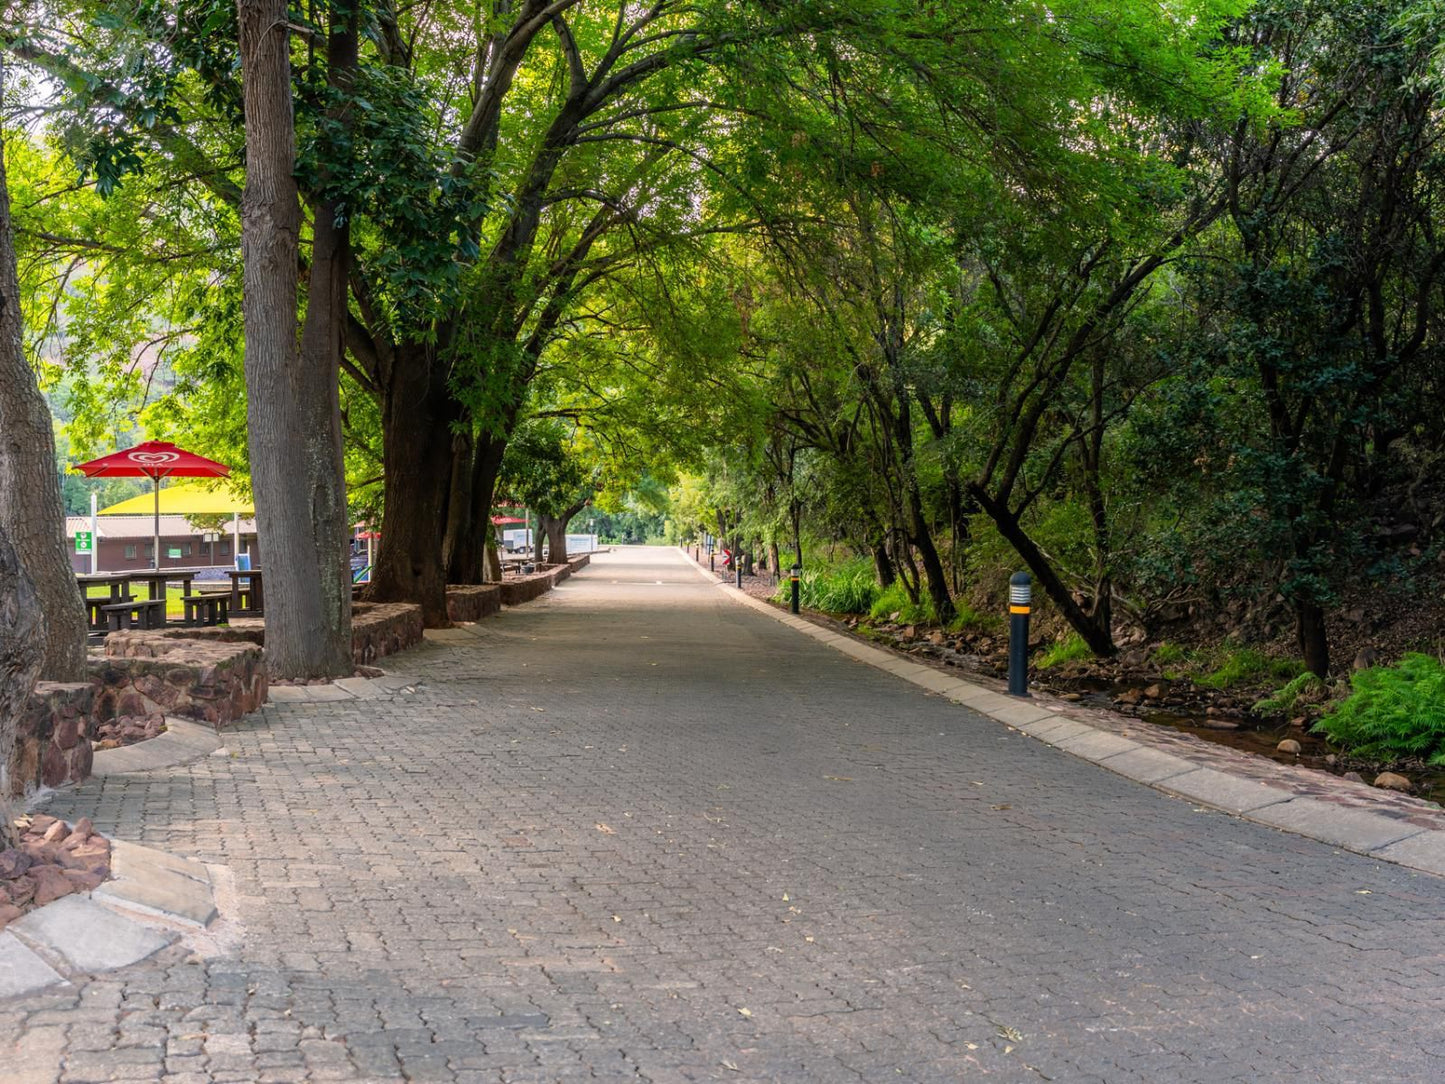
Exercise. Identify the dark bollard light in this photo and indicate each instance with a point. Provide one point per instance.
(793, 576)
(738, 566)
(711, 561)
(1020, 594)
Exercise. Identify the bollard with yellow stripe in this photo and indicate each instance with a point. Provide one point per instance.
(1020, 598)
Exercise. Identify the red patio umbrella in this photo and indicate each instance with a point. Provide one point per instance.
(499, 520)
(155, 459)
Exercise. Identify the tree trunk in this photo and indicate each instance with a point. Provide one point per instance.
(775, 561)
(31, 513)
(1100, 638)
(1314, 643)
(417, 411)
(460, 526)
(470, 558)
(932, 564)
(883, 564)
(293, 413)
(555, 534)
(493, 558)
(21, 655)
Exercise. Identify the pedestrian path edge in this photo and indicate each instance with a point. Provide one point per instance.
(1374, 835)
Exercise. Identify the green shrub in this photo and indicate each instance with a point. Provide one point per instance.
(1244, 665)
(1069, 649)
(1393, 713)
(1287, 699)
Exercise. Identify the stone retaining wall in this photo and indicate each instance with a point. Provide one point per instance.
(51, 747)
(383, 628)
(377, 629)
(210, 681)
(472, 601)
(516, 590)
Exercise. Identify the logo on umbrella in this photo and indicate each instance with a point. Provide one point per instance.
(153, 459)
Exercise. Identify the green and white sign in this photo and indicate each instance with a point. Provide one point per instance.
(173, 551)
(83, 542)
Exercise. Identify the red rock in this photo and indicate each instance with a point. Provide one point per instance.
(56, 832)
(84, 880)
(83, 828)
(13, 864)
(22, 890)
(50, 884)
(39, 823)
(67, 733)
(8, 914)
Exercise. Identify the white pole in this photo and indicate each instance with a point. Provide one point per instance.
(157, 482)
(94, 535)
(235, 538)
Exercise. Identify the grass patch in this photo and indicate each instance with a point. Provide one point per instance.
(894, 599)
(1167, 653)
(1394, 712)
(1070, 649)
(967, 619)
(1243, 666)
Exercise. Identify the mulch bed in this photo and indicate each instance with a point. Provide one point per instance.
(51, 861)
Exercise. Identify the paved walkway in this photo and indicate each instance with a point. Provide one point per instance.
(635, 831)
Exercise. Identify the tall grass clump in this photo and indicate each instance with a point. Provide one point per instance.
(1394, 713)
(1296, 693)
(844, 589)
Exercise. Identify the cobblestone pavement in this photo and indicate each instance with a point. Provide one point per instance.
(635, 831)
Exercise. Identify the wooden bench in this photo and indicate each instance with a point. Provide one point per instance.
(145, 613)
(95, 610)
(206, 609)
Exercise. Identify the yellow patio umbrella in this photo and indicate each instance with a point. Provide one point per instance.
(187, 499)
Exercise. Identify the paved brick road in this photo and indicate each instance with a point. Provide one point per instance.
(637, 832)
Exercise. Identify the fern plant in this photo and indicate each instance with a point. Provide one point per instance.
(1395, 712)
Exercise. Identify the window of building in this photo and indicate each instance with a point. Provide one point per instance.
(150, 550)
(225, 549)
(130, 553)
(188, 550)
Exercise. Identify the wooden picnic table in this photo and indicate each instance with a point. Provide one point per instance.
(116, 582)
(248, 600)
(156, 581)
(116, 585)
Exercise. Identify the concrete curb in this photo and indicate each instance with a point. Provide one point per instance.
(182, 742)
(105, 929)
(1374, 835)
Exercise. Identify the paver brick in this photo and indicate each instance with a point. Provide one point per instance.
(601, 825)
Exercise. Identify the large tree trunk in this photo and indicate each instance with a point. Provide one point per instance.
(932, 564)
(20, 659)
(458, 544)
(555, 528)
(469, 559)
(292, 414)
(417, 412)
(1314, 643)
(31, 513)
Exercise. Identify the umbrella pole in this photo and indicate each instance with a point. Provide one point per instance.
(156, 482)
